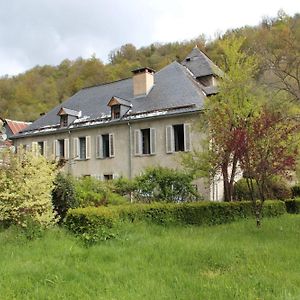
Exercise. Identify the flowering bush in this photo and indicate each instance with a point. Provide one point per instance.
(26, 181)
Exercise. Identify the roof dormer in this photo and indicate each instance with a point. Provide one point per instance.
(202, 68)
(119, 107)
(68, 116)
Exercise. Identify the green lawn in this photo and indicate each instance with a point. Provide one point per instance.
(235, 261)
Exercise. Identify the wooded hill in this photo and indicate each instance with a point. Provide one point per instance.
(276, 42)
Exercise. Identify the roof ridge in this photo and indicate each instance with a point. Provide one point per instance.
(105, 83)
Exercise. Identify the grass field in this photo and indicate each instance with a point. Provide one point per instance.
(235, 261)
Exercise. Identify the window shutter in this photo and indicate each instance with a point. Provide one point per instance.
(55, 149)
(99, 150)
(34, 148)
(187, 137)
(67, 148)
(152, 140)
(137, 142)
(76, 148)
(169, 139)
(111, 145)
(88, 147)
(45, 152)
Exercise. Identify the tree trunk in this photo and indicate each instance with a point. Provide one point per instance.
(226, 183)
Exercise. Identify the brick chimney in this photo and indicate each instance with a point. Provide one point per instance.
(143, 81)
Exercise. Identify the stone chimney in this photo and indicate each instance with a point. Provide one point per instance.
(143, 81)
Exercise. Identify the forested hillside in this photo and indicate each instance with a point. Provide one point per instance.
(276, 42)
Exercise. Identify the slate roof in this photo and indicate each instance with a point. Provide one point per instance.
(200, 64)
(175, 89)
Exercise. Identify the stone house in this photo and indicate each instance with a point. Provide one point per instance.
(120, 128)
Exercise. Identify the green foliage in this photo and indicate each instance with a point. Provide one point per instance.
(295, 191)
(93, 192)
(293, 206)
(26, 182)
(124, 186)
(92, 224)
(277, 188)
(64, 195)
(101, 223)
(197, 213)
(163, 184)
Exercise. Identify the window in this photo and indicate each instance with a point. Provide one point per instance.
(178, 138)
(105, 146)
(115, 111)
(108, 177)
(82, 148)
(61, 149)
(145, 141)
(41, 148)
(64, 120)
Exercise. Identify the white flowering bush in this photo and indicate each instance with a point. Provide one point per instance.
(26, 183)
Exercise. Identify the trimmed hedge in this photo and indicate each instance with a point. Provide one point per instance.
(293, 206)
(93, 223)
(101, 223)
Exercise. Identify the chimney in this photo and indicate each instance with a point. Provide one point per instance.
(143, 81)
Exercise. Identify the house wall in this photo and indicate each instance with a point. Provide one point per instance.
(125, 163)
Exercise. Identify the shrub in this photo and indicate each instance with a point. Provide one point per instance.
(93, 192)
(163, 184)
(242, 192)
(293, 206)
(277, 189)
(95, 224)
(198, 213)
(92, 224)
(63, 194)
(26, 182)
(125, 187)
(295, 191)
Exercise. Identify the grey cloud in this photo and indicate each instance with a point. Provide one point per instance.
(48, 31)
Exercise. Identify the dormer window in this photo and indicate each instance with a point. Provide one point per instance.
(63, 120)
(119, 107)
(115, 112)
(68, 116)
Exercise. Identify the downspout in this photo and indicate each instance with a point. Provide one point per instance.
(129, 151)
(70, 157)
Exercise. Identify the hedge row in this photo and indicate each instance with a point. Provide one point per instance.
(293, 206)
(100, 223)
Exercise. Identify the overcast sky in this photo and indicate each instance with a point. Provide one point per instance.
(38, 32)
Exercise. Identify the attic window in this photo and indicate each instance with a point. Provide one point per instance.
(64, 120)
(115, 112)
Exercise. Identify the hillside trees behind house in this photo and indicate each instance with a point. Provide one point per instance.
(276, 42)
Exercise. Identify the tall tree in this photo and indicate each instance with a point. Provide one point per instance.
(270, 148)
(224, 116)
